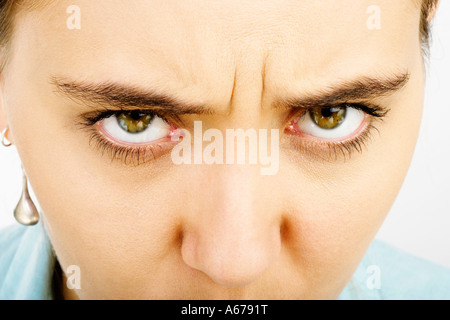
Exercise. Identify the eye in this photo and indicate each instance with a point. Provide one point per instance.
(135, 127)
(335, 123)
(135, 137)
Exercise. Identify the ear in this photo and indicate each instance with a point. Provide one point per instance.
(3, 117)
(3, 121)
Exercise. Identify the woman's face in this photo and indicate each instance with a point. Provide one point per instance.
(140, 226)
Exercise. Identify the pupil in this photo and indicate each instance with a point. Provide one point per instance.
(328, 112)
(135, 115)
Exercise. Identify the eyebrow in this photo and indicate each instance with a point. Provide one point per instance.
(129, 97)
(357, 90)
(124, 97)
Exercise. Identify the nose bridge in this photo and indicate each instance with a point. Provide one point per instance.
(232, 235)
(234, 211)
(232, 231)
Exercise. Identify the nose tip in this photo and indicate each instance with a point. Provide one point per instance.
(232, 262)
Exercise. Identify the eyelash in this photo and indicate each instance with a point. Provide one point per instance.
(137, 155)
(331, 150)
(133, 156)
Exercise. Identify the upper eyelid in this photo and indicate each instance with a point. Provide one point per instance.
(333, 148)
(374, 110)
(92, 117)
(371, 109)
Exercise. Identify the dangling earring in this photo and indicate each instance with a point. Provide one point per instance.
(4, 143)
(26, 212)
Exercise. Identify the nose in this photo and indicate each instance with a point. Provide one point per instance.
(233, 234)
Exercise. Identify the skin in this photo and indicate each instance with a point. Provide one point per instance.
(157, 230)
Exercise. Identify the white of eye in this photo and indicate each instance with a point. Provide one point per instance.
(157, 129)
(352, 121)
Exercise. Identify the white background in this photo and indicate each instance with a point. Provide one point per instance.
(419, 221)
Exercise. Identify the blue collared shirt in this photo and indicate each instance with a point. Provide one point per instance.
(27, 263)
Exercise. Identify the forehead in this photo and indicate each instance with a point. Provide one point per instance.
(206, 45)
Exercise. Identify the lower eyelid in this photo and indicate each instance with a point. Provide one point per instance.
(329, 150)
(322, 148)
(136, 155)
(129, 153)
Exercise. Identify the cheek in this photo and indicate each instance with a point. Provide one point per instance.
(99, 224)
(99, 215)
(331, 221)
(335, 209)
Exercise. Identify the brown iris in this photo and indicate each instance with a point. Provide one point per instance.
(134, 121)
(328, 118)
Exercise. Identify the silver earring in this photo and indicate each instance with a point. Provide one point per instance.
(26, 212)
(4, 143)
